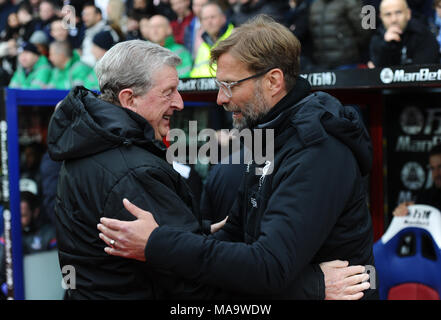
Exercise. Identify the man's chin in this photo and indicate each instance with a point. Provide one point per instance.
(239, 124)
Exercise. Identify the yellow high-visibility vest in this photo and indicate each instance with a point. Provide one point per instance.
(201, 68)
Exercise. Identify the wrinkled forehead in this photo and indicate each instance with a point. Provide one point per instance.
(230, 68)
(165, 75)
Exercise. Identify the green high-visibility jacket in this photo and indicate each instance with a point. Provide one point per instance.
(184, 68)
(201, 68)
(73, 74)
(37, 78)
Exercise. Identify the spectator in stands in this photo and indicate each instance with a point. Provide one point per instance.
(58, 32)
(421, 9)
(193, 32)
(6, 8)
(102, 42)
(116, 17)
(160, 32)
(41, 41)
(31, 153)
(216, 27)
(8, 61)
(27, 22)
(250, 8)
(94, 23)
(144, 28)
(184, 16)
(74, 36)
(431, 196)
(47, 13)
(12, 28)
(338, 37)
(33, 71)
(69, 71)
(401, 40)
(37, 236)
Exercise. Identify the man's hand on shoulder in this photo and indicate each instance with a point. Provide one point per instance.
(128, 239)
(344, 282)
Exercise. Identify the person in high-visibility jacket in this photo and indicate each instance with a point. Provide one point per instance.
(217, 28)
(160, 32)
(33, 71)
(69, 71)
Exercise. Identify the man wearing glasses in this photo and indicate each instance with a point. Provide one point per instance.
(311, 208)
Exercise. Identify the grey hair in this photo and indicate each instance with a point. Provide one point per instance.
(131, 64)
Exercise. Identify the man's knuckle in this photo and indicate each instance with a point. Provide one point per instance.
(123, 241)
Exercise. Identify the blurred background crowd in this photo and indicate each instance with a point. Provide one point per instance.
(55, 44)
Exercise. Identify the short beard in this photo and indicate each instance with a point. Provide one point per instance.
(253, 112)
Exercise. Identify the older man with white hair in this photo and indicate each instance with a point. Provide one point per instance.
(111, 148)
(401, 40)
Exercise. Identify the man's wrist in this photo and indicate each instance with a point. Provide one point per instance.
(150, 250)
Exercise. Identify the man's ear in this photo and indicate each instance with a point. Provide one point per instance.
(126, 99)
(275, 81)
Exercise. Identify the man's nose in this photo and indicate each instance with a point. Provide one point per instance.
(178, 103)
(222, 98)
(394, 18)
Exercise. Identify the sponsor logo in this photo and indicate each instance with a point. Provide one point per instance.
(388, 76)
(406, 144)
(411, 120)
(413, 175)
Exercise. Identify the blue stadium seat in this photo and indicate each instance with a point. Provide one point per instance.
(408, 256)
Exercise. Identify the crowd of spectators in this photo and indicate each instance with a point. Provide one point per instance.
(46, 44)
